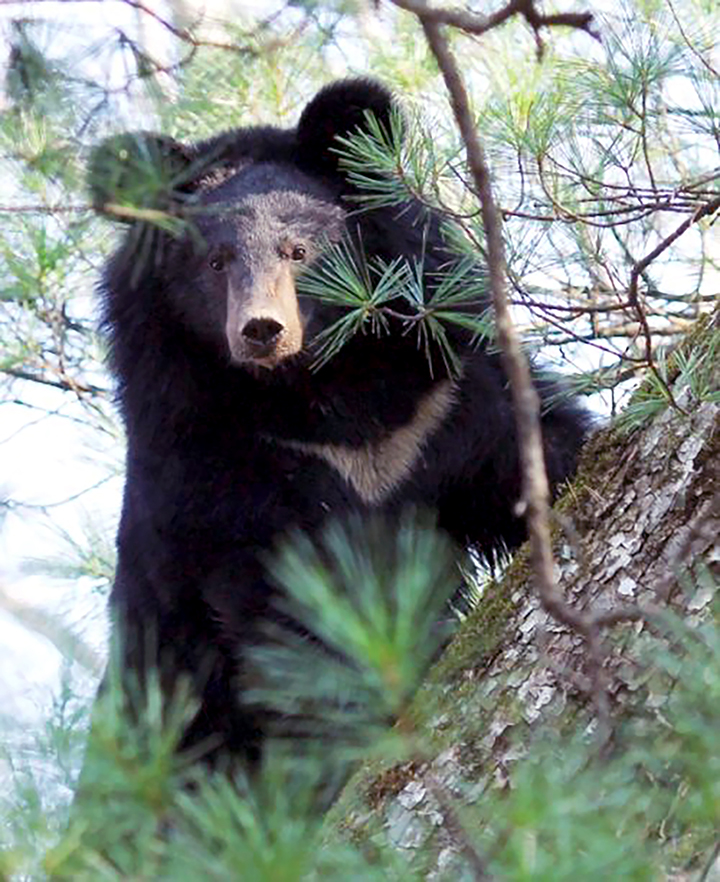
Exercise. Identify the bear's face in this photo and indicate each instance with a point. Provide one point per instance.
(221, 230)
(251, 236)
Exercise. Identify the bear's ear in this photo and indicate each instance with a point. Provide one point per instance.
(131, 173)
(338, 110)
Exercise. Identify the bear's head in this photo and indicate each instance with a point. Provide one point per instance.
(222, 230)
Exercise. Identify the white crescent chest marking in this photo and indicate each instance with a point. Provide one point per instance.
(378, 467)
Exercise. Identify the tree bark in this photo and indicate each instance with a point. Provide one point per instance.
(639, 520)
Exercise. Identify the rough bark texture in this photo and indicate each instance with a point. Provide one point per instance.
(644, 509)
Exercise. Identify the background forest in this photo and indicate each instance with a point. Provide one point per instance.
(600, 125)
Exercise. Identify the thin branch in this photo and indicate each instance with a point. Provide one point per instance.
(66, 384)
(43, 209)
(640, 267)
(16, 505)
(183, 34)
(691, 46)
(536, 492)
(535, 489)
(476, 24)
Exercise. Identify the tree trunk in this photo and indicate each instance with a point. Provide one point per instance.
(638, 521)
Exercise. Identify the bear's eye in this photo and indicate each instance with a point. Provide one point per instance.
(219, 259)
(298, 253)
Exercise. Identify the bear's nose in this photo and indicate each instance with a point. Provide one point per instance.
(262, 332)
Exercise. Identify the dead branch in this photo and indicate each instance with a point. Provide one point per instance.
(476, 24)
(639, 268)
(535, 492)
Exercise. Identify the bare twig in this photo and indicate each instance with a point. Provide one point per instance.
(535, 489)
(536, 492)
(65, 383)
(641, 265)
(691, 46)
(15, 505)
(44, 209)
(476, 24)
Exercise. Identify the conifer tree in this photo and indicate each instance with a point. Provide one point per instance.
(601, 131)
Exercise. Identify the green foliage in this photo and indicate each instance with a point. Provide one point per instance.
(374, 596)
(685, 755)
(131, 777)
(692, 371)
(648, 401)
(568, 817)
(31, 80)
(42, 767)
(385, 164)
(344, 278)
(266, 832)
(134, 177)
(376, 295)
(597, 154)
(92, 557)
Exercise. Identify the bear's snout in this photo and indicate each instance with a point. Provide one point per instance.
(262, 334)
(263, 325)
(265, 341)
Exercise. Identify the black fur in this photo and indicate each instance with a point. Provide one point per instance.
(223, 455)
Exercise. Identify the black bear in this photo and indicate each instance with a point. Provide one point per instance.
(234, 434)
